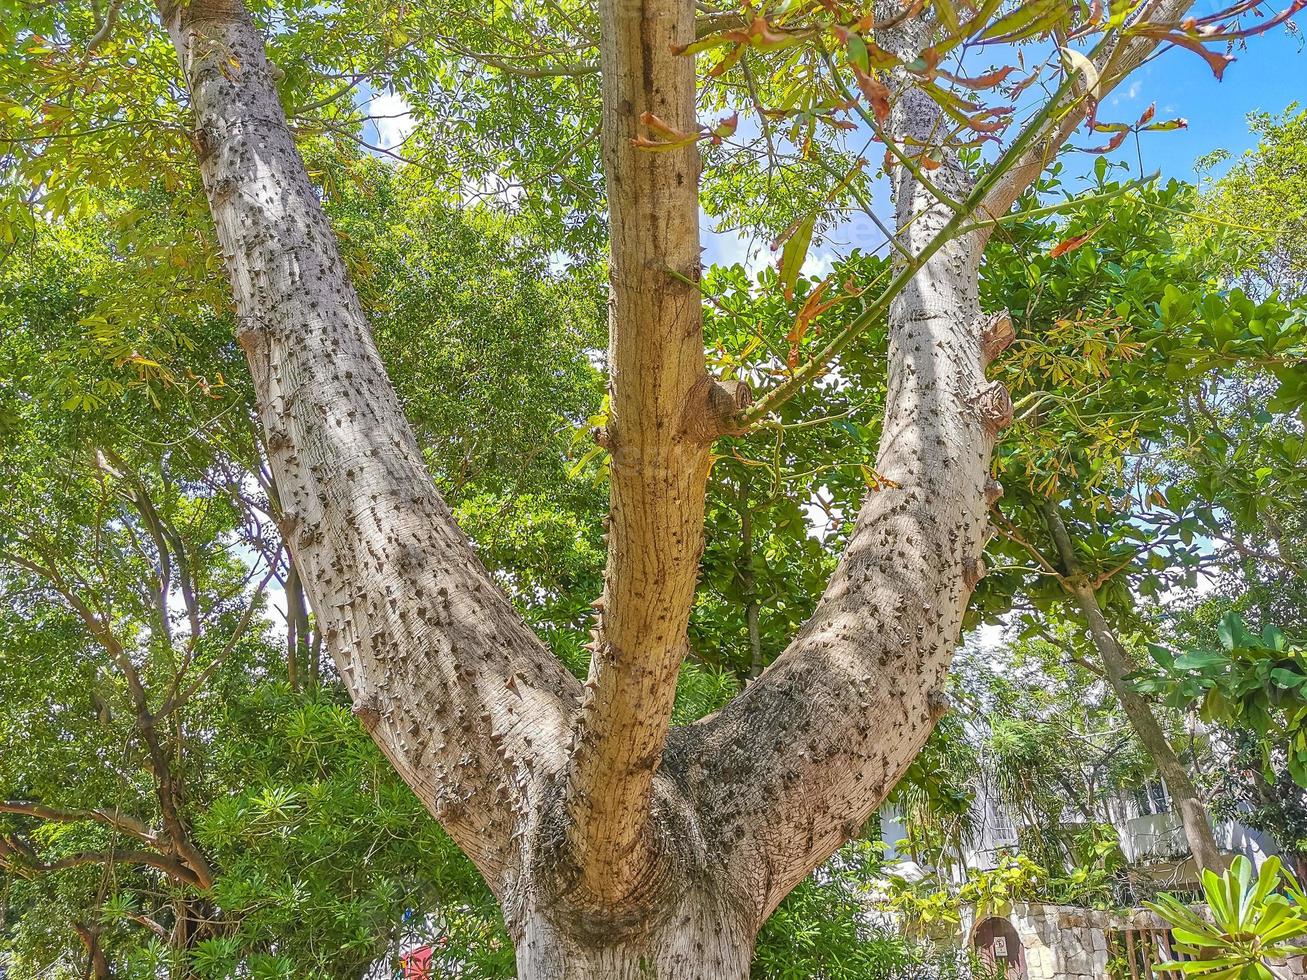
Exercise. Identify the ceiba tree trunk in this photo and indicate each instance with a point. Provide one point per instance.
(1117, 665)
(617, 845)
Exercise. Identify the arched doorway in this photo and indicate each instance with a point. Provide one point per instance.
(996, 942)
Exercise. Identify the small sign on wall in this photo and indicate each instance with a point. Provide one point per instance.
(1000, 947)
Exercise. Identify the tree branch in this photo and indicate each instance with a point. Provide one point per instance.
(466, 702)
(125, 822)
(19, 857)
(104, 26)
(1117, 665)
(665, 413)
(1114, 58)
(794, 765)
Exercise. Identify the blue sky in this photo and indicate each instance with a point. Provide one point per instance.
(1267, 75)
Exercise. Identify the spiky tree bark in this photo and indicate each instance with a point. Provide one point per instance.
(618, 845)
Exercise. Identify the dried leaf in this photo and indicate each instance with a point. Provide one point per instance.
(1216, 61)
(813, 307)
(876, 92)
(1071, 244)
(1085, 67)
(980, 82)
(1111, 144)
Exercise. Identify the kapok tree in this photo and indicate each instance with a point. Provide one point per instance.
(619, 845)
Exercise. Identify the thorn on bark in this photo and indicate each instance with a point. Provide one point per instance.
(972, 572)
(368, 711)
(937, 702)
(993, 490)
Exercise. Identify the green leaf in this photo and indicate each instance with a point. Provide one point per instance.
(795, 253)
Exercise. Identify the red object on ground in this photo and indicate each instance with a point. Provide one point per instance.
(416, 964)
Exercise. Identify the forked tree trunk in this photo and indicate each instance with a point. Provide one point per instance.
(618, 845)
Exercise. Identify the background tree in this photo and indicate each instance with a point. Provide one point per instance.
(1098, 514)
(139, 555)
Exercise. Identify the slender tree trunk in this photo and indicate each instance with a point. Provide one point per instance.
(749, 581)
(1117, 664)
(298, 650)
(97, 964)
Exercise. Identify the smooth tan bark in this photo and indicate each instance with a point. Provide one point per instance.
(659, 468)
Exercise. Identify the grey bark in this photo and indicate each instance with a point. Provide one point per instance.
(460, 695)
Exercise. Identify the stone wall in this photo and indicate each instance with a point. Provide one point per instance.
(1065, 943)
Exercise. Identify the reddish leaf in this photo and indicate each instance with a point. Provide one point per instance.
(1148, 114)
(988, 80)
(762, 36)
(1216, 61)
(664, 129)
(813, 307)
(1262, 28)
(1111, 145)
(725, 128)
(723, 66)
(876, 92)
(1071, 244)
(990, 121)
(1095, 18)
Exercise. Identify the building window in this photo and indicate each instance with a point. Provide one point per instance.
(1001, 821)
(1152, 798)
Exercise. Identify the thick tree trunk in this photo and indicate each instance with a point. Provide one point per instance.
(697, 937)
(1117, 665)
(792, 768)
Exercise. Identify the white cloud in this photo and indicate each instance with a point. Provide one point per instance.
(392, 118)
